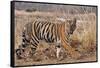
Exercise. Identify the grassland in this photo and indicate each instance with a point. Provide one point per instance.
(83, 38)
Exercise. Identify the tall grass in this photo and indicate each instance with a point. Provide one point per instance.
(85, 32)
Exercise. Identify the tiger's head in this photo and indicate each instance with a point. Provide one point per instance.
(71, 26)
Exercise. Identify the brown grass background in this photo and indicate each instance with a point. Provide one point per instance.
(83, 38)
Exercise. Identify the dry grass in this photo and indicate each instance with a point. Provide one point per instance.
(83, 38)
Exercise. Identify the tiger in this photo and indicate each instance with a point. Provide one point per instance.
(57, 33)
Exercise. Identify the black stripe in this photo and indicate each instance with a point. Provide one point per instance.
(35, 38)
(48, 39)
(35, 29)
(34, 43)
(38, 25)
(26, 40)
(44, 28)
(48, 27)
(58, 27)
(47, 31)
(52, 39)
(51, 33)
(24, 45)
(42, 24)
(37, 22)
(54, 30)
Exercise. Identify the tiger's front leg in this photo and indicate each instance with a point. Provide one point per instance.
(58, 48)
(73, 53)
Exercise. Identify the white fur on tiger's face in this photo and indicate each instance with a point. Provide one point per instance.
(44, 30)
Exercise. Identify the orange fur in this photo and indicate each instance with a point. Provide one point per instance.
(70, 50)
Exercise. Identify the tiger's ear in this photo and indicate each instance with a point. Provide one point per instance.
(69, 21)
(72, 21)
